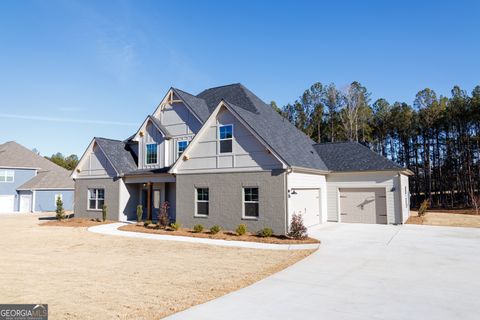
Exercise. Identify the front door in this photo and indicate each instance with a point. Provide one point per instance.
(155, 203)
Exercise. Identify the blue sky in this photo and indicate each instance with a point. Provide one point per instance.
(71, 70)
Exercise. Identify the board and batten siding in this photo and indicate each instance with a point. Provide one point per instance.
(152, 135)
(381, 179)
(96, 165)
(248, 154)
(296, 180)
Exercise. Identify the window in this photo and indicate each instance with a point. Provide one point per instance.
(96, 198)
(7, 175)
(181, 146)
(58, 195)
(151, 153)
(202, 202)
(226, 138)
(250, 202)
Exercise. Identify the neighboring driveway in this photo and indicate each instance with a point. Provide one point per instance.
(366, 272)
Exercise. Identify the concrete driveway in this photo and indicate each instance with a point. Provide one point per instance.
(366, 272)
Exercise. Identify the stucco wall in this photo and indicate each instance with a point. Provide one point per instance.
(226, 203)
(111, 187)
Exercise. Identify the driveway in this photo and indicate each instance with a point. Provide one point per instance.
(366, 272)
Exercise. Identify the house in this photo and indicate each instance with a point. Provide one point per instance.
(31, 183)
(225, 157)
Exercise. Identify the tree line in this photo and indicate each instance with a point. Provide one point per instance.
(437, 137)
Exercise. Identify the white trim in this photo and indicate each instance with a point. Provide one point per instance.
(96, 198)
(244, 217)
(6, 175)
(177, 148)
(165, 101)
(206, 126)
(219, 139)
(34, 198)
(22, 168)
(146, 154)
(195, 214)
(40, 189)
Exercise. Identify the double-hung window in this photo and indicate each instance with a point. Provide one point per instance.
(250, 203)
(7, 175)
(96, 199)
(225, 134)
(201, 203)
(181, 146)
(151, 155)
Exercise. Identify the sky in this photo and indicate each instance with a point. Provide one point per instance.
(72, 70)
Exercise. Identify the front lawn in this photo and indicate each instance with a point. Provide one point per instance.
(435, 218)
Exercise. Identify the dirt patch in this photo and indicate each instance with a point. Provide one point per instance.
(83, 275)
(455, 211)
(445, 219)
(222, 235)
(74, 222)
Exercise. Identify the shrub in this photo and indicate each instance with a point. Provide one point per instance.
(104, 212)
(241, 229)
(60, 212)
(175, 226)
(265, 233)
(197, 228)
(139, 213)
(163, 219)
(423, 208)
(215, 229)
(147, 223)
(297, 228)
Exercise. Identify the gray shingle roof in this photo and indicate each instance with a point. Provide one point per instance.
(49, 175)
(353, 156)
(160, 126)
(118, 154)
(197, 105)
(292, 145)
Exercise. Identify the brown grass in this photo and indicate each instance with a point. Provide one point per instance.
(222, 235)
(82, 275)
(74, 222)
(435, 218)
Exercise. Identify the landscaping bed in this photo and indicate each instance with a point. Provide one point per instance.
(75, 223)
(221, 235)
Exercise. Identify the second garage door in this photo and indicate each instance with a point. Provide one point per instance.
(363, 205)
(307, 203)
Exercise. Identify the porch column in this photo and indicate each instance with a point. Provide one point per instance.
(149, 201)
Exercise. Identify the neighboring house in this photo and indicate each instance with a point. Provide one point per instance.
(31, 183)
(225, 157)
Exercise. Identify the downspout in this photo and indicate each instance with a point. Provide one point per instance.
(33, 201)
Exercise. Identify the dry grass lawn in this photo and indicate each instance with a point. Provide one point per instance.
(82, 275)
(445, 219)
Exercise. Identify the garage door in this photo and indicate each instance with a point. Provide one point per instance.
(307, 203)
(6, 203)
(363, 205)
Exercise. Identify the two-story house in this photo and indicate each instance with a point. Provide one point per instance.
(226, 157)
(31, 183)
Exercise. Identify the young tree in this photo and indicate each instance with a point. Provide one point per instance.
(60, 212)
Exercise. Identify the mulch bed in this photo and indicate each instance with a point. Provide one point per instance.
(74, 222)
(222, 235)
(468, 211)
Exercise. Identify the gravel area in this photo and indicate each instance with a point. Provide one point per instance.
(82, 275)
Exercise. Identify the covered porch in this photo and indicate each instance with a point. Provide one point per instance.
(151, 191)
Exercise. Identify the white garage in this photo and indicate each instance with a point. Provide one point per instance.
(307, 203)
(7, 203)
(363, 205)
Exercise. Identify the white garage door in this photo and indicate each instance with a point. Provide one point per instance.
(6, 203)
(307, 203)
(363, 205)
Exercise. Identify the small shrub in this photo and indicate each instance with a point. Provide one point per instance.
(297, 228)
(163, 219)
(197, 228)
(423, 208)
(147, 223)
(265, 233)
(139, 213)
(60, 212)
(175, 226)
(104, 212)
(215, 229)
(241, 229)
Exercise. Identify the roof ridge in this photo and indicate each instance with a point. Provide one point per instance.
(108, 139)
(222, 86)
